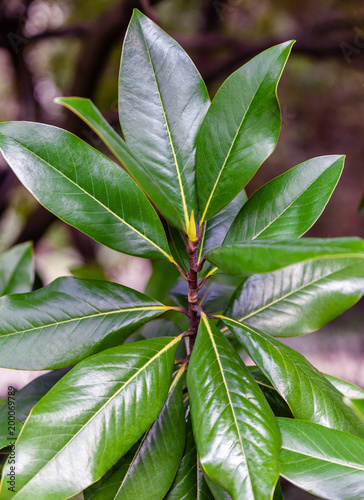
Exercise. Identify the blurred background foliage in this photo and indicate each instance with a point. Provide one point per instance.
(51, 48)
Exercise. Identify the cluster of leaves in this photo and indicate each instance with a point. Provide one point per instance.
(141, 415)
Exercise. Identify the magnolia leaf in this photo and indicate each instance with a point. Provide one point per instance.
(83, 188)
(112, 399)
(162, 102)
(68, 320)
(17, 269)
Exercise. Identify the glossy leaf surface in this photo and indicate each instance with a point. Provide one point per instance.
(347, 389)
(236, 434)
(162, 102)
(263, 256)
(17, 269)
(189, 483)
(300, 298)
(149, 470)
(287, 206)
(308, 393)
(240, 130)
(83, 188)
(325, 462)
(69, 320)
(275, 400)
(357, 405)
(112, 398)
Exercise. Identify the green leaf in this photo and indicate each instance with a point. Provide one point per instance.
(83, 188)
(68, 320)
(29, 395)
(263, 256)
(150, 469)
(347, 389)
(357, 405)
(240, 130)
(325, 462)
(162, 102)
(178, 248)
(215, 229)
(189, 483)
(308, 393)
(17, 269)
(214, 296)
(361, 206)
(91, 418)
(287, 206)
(218, 492)
(275, 400)
(300, 298)
(236, 434)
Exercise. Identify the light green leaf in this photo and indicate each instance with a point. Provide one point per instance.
(236, 435)
(308, 393)
(91, 418)
(347, 389)
(263, 256)
(240, 130)
(152, 466)
(68, 320)
(83, 188)
(300, 298)
(325, 462)
(162, 102)
(287, 206)
(357, 405)
(17, 269)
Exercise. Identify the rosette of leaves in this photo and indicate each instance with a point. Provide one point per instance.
(146, 408)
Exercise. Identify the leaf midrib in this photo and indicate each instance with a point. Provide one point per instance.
(170, 258)
(136, 374)
(184, 204)
(85, 317)
(204, 318)
(296, 199)
(235, 138)
(283, 297)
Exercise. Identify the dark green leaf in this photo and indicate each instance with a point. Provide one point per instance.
(325, 462)
(263, 256)
(288, 205)
(149, 470)
(83, 188)
(275, 400)
(162, 102)
(300, 298)
(91, 418)
(29, 395)
(68, 320)
(189, 483)
(17, 269)
(240, 130)
(236, 434)
(178, 248)
(218, 492)
(308, 393)
(361, 206)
